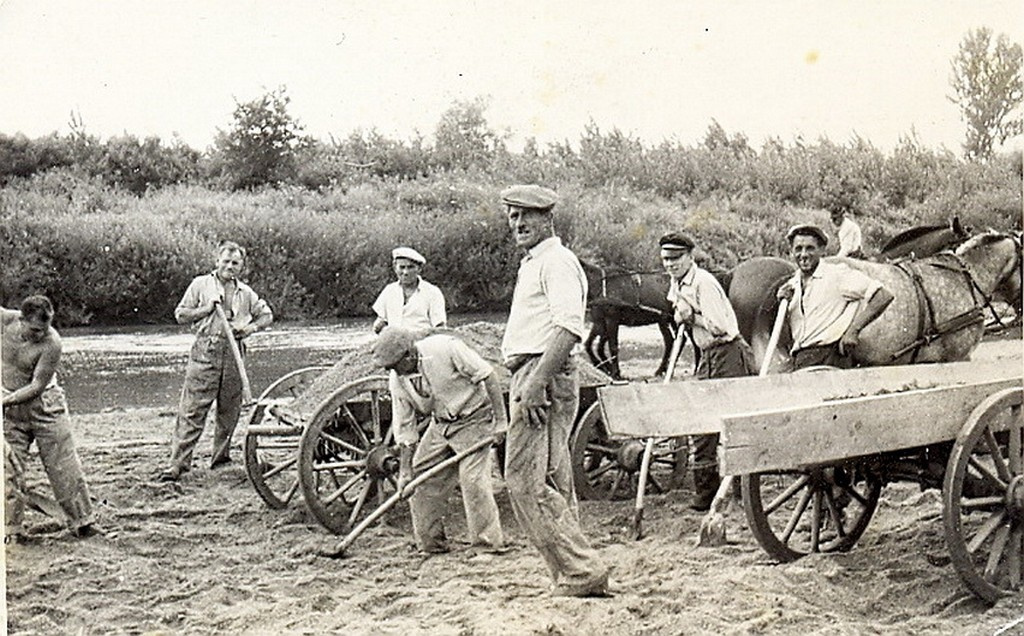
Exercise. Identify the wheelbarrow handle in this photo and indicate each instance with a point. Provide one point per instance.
(406, 492)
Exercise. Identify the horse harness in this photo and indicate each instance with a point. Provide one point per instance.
(927, 327)
(637, 278)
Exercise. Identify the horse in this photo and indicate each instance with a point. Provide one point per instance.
(937, 313)
(924, 240)
(618, 297)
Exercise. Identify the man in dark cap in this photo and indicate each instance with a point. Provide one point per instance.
(461, 393)
(830, 302)
(702, 304)
(544, 325)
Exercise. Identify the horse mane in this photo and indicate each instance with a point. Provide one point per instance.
(910, 235)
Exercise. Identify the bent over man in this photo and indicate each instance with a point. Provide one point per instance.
(212, 374)
(442, 376)
(702, 304)
(36, 410)
(544, 324)
(830, 302)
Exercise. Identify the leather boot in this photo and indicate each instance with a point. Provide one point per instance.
(705, 485)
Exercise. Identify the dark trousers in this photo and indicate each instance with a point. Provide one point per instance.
(822, 355)
(727, 360)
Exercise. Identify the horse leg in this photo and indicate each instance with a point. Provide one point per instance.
(613, 348)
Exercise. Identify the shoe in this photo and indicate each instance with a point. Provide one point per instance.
(86, 531)
(595, 587)
(705, 484)
(220, 462)
(171, 474)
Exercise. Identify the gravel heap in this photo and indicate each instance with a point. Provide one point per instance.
(484, 337)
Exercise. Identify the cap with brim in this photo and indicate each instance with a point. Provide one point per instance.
(806, 229)
(409, 253)
(676, 243)
(530, 197)
(392, 345)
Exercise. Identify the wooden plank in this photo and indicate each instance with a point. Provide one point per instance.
(697, 407)
(841, 429)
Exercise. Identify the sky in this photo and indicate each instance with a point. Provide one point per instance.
(656, 70)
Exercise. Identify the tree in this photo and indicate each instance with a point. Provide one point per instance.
(261, 145)
(463, 139)
(988, 89)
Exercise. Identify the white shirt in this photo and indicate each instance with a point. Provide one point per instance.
(551, 291)
(424, 310)
(850, 241)
(823, 307)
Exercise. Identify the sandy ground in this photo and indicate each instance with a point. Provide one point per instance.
(206, 556)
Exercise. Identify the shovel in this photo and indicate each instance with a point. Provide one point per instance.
(236, 353)
(712, 526)
(399, 495)
(645, 462)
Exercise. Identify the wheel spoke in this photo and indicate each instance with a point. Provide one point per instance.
(997, 455)
(786, 494)
(342, 465)
(344, 488)
(375, 416)
(357, 427)
(850, 490)
(1014, 557)
(986, 529)
(654, 483)
(986, 474)
(615, 483)
(801, 506)
(816, 521)
(980, 502)
(1015, 467)
(291, 490)
(340, 442)
(995, 557)
(363, 494)
(597, 472)
(594, 447)
(277, 468)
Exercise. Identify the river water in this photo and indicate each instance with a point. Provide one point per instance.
(110, 368)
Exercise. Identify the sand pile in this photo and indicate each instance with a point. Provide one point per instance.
(484, 337)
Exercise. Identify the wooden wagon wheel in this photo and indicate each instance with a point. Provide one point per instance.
(822, 509)
(983, 497)
(271, 445)
(605, 469)
(346, 454)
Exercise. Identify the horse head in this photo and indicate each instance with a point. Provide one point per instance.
(994, 260)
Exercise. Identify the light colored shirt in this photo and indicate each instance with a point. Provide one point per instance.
(850, 241)
(424, 310)
(823, 306)
(243, 308)
(714, 321)
(450, 378)
(551, 292)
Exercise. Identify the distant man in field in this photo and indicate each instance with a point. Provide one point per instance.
(850, 241)
(544, 325)
(36, 410)
(702, 305)
(441, 376)
(830, 302)
(409, 302)
(212, 374)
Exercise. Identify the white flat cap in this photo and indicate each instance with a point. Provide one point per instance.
(409, 253)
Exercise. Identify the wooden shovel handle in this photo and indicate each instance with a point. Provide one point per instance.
(236, 353)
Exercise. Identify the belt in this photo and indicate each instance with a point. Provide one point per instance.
(517, 361)
(463, 416)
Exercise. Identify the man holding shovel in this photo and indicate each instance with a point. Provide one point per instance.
(442, 376)
(702, 304)
(215, 304)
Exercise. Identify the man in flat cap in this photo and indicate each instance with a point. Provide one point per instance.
(702, 304)
(410, 302)
(830, 302)
(462, 395)
(544, 325)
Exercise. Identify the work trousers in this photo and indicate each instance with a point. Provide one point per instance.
(211, 376)
(44, 420)
(727, 360)
(429, 501)
(538, 475)
(821, 355)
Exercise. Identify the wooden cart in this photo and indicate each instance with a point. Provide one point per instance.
(814, 451)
